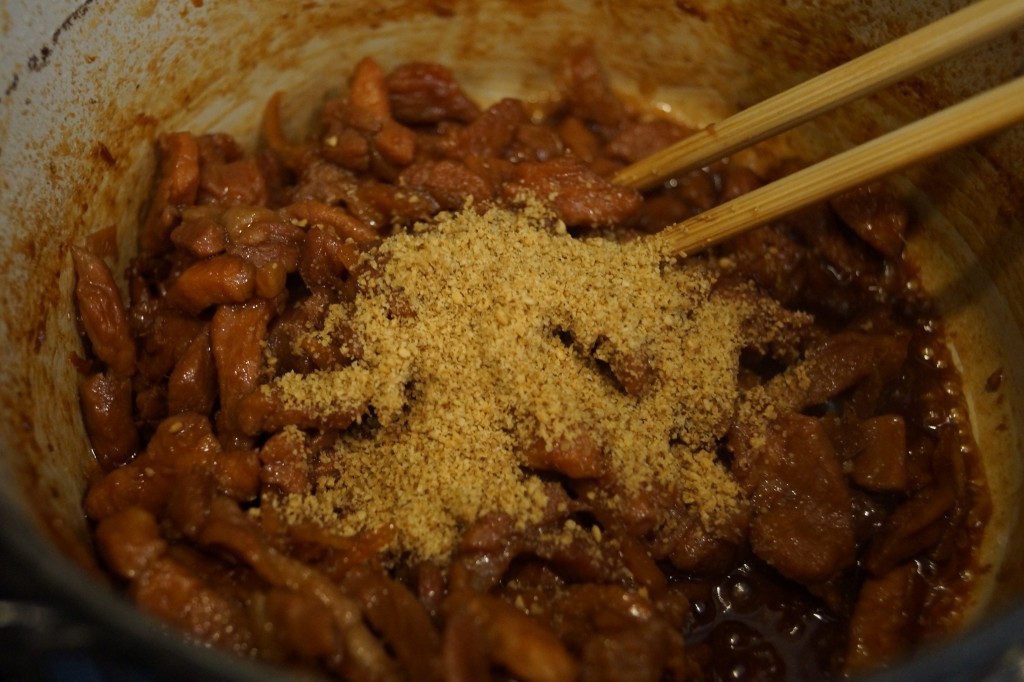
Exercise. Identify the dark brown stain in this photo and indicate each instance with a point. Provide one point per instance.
(692, 9)
(994, 381)
(41, 58)
(76, 15)
(12, 86)
(443, 8)
(102, 152)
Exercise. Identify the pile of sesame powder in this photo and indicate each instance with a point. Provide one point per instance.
(478, 335)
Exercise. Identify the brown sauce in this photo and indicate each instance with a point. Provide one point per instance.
(851, 540)
(753, 625)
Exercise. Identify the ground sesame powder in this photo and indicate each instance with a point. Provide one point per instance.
(484, 331)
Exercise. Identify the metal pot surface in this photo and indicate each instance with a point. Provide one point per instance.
(86, 86)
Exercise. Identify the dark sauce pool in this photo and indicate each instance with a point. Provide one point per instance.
(752, 624)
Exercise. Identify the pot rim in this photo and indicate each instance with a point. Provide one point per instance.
(977, 648)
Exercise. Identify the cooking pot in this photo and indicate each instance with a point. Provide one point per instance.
(86, 86)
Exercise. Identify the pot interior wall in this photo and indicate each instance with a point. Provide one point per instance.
(80, 115)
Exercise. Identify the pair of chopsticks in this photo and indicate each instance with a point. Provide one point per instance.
(953, 127)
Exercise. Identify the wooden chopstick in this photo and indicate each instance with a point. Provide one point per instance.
(969, 27)
(958, 125)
